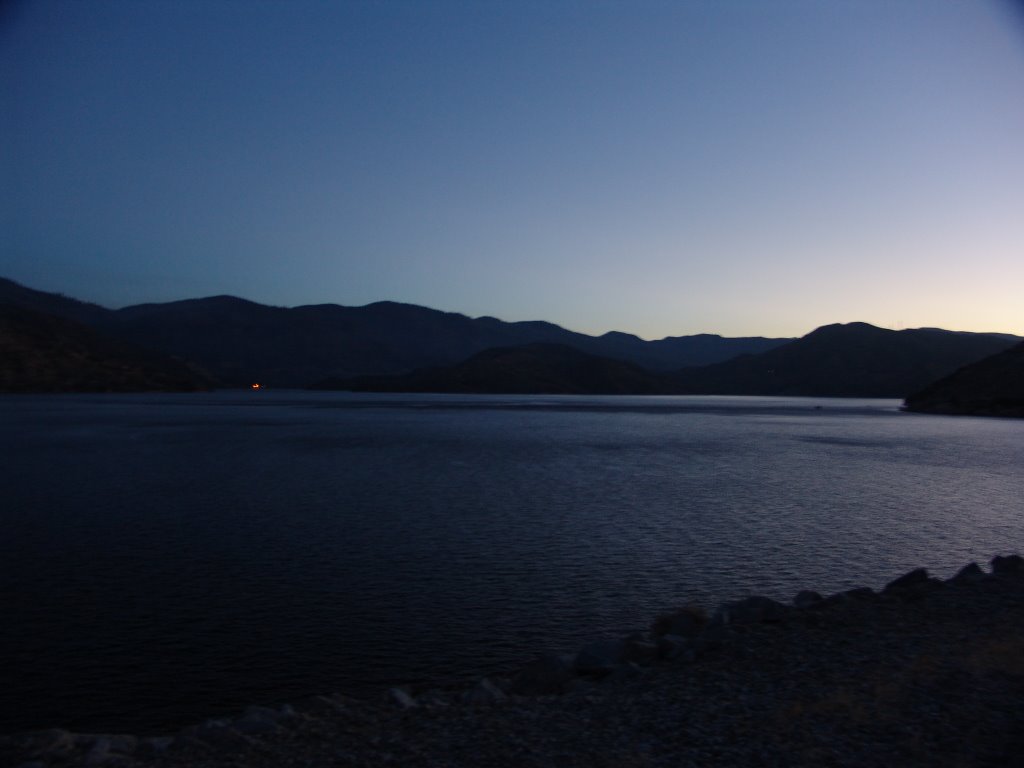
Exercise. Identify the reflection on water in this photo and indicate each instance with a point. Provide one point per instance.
(171, 557)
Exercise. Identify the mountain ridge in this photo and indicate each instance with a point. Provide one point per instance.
(389, 344)
(239, 341)
(839, 360)
(845, 360)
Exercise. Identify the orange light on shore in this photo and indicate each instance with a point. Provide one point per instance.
(257, 386)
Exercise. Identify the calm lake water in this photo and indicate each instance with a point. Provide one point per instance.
(165, 558)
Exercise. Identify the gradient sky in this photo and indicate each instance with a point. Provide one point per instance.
(661, 168)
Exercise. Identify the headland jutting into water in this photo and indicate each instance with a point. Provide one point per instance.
(924, 672)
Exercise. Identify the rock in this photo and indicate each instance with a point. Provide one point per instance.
(913, 585)
(908, 580)
(185, 742)
(106, 749)
(640, 652)
(623, 673)
(323, 706)
(50, 743)
(859, 593)
(684, 622)
(99, 753)
(600, 658)
(485, 692)
(806, 598)
(262, 713)
(216, 734)
(1007, 565)
(855, 595)
(969, 574)
(581, 686)
(546, 674)
(674, 647)
(711, 639)
(434, 700)
(255, 725)
(751, 610)
(123, 743)
(402, 698)
(148, 749)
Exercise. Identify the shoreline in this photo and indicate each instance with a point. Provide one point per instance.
(958, 643)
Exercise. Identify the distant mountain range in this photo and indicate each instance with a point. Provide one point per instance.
(240, 342)
(853, 360)
(400, 347)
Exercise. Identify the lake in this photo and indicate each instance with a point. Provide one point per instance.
(166, 558)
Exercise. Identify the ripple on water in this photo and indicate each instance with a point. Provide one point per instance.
(187, 556)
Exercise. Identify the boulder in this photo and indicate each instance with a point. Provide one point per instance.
(50, 743)
(123, 743)
(255, 725)
(806, 598)
(99, 752)
(544, 675)
(402, 698)
(640, 652)
(909, 580)
(623, 673)
(106, 749)
(601, 657)
(969, 574)
(484, 692)
(1008, 565)
(751, 610)
(322, 706)
(859, 593)
(711, 639)
(851, 595)
(674, 647)
(684, 622)
(149, 749)
(216, 734)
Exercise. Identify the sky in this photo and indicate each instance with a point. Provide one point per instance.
(742, 167)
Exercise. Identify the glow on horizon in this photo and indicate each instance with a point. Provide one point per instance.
(657, 169)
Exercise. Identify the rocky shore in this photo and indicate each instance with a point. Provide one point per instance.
(923, 672)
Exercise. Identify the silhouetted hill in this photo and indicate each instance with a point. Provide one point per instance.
(529, 369)
(993, 386)
(241, 341)
(851, 360)
(44, 353)
(17, 295)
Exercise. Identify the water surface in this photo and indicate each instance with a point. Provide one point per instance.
(166, 558)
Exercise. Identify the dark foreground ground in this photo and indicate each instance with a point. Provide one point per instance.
(926, 673)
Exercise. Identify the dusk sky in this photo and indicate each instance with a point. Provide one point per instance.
(660, 168)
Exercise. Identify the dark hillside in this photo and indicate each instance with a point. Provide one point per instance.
(242, 342)
(852, 360)
(17, 295)
(990, 387)
(530, 369)
(43, 353)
